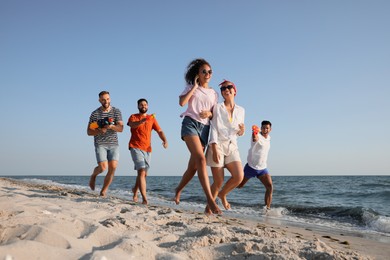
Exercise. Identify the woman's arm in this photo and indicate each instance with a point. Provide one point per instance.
(183, 100)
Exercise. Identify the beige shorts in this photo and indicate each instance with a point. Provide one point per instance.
(228, 152)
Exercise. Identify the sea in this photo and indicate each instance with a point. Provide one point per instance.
(356, 205)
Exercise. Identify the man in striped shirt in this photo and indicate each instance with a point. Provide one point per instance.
(104, 123)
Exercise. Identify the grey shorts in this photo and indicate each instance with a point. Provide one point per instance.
(107, 153)
(228, 152)
(190, 126)
(140, 158)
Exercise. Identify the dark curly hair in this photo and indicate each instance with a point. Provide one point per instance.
(193, 70)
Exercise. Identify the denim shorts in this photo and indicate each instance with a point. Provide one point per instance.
(190, 126)
(249, 172)
(140, 158)
(107, 153)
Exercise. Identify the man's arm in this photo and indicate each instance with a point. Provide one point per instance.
(163, 138)
(135, 124)
(118, 127)
(93, 132)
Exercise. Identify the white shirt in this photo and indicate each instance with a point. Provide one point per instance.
(224, 128)
(258, 152)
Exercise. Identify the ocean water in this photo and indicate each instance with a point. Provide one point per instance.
(356, 204)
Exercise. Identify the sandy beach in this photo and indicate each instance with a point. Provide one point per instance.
(49, 222)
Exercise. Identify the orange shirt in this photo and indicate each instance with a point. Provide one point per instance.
(141, 136)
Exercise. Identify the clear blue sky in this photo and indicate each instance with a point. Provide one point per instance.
(318, 70)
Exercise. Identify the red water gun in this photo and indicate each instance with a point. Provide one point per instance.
(255, 129)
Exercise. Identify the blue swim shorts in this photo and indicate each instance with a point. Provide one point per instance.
(190, 126)
(140, 158)
(107, 153)
(249, 172)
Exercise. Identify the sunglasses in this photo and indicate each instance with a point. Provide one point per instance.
(229, 87)
(207, 72)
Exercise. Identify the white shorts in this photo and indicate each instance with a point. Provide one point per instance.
(228, 152)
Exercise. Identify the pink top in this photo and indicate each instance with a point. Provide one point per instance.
(203, 99)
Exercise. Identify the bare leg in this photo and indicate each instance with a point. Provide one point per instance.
(109, 177)
(141, 179)
(102, 166)
(242, 183)
(235, 168)
(135, 190)
(187, 177)
(195, 147)
(218, 177)
(267, 182)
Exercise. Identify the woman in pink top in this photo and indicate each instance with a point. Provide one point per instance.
(200, 99)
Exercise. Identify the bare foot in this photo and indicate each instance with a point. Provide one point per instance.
(135, 195)
(92, 182)
(103, 194)
(224, 201)
(207, 211)
(177, 197)
(214, 208)
(145, 201)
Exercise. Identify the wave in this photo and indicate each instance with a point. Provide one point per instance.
(376, 222)
(351, 214)
(375, 185)
(359, 216)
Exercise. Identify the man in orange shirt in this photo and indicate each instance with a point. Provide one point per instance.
(141, 126)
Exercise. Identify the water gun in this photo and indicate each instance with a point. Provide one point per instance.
(255, 129)
(102, 122)
(149, 117)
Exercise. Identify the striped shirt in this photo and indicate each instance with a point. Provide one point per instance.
(110, 137)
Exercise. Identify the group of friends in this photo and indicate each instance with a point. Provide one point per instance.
(209, 129)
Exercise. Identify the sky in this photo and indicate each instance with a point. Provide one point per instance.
(318, 70)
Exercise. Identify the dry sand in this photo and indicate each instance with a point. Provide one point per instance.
(50, 222)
